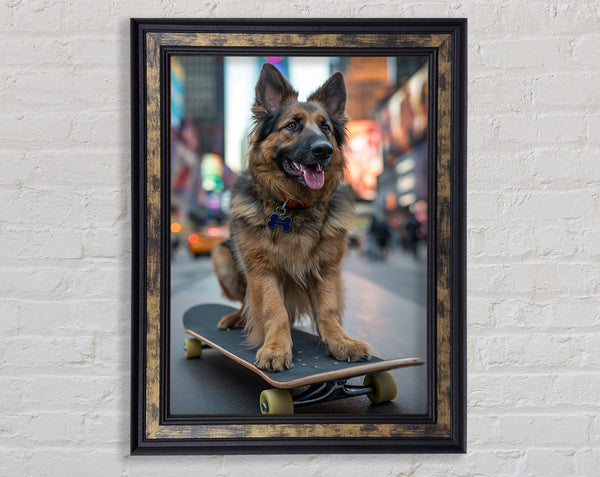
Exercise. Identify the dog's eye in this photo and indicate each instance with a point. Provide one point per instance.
(292, 125)
(326, 129)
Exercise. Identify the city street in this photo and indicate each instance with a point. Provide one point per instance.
(385, 305)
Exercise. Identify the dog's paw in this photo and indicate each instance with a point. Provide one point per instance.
(348, 349)
(274, 359)
(234, 320)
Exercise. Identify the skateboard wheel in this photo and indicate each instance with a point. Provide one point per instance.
(276, 401)
(193, 348)
(384, 387)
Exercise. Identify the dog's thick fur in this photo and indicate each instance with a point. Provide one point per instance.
(278, 276)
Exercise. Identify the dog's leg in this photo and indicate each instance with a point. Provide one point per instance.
(268, 324)
(329, 303)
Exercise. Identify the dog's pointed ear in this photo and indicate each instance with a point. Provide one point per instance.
(272, 90)
(332, 95)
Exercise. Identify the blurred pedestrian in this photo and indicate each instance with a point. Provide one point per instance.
(412, 233)
(381, 234)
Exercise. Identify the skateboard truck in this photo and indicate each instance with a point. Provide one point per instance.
(330, 391)
(379, 387)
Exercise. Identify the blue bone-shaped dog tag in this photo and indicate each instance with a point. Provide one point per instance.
(280, 221)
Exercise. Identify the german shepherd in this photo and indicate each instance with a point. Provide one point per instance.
(288, 223)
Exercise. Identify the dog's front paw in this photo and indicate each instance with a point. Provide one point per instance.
(348, 349)
(274, 359)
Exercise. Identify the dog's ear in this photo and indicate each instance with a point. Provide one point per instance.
(272, 90)
(332, 95)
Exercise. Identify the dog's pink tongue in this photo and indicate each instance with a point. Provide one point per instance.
(313, 176)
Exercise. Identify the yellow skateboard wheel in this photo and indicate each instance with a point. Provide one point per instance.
(276, 401)
(193, 348)
(384, 387)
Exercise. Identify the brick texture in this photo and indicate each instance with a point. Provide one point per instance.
(533, 240)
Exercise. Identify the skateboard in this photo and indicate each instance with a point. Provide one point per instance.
(315, 376)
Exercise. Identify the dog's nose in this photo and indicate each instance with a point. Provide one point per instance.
(321, 149)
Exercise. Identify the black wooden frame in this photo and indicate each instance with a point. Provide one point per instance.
(443, 428)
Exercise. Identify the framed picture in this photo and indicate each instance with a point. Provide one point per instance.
(387, 100)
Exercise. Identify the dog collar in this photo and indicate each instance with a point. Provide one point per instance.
(292, 204)
(279, 219)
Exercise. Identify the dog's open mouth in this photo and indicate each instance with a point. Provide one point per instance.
(313, 174)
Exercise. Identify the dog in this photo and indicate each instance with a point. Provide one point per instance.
(288, 223)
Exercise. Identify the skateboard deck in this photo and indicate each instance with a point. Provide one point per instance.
(312, 364)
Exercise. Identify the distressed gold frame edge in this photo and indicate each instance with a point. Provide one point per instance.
(154, 429)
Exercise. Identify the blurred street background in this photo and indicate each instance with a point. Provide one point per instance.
(385, 268)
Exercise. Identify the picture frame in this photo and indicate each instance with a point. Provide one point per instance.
(442, 428)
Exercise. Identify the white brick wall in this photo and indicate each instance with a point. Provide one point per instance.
(533, 231)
